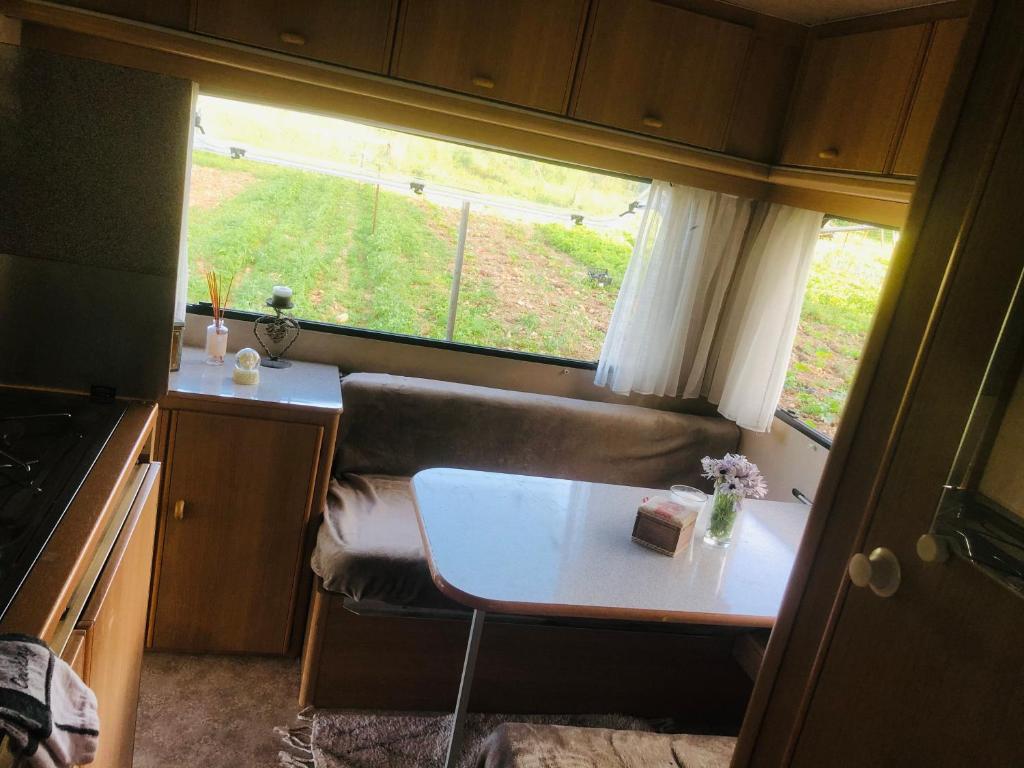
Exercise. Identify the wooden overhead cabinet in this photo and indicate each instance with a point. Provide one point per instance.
(519, 52)
(163, 13)
(853, 94)
(352, 33)
(660, 70)
(943, 50)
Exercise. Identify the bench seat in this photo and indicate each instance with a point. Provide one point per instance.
(369, 545)
(521, 745)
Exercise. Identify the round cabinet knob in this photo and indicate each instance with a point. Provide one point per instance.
(880, 570)
(932, 548)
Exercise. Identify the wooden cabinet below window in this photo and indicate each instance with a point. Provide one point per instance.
(661, 70)
(852, 97)
(237, 499)
(516, 51)
(352, 33)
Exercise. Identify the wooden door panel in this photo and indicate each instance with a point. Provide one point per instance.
(938, 68)
(229, 566)
(660, 70)
(518, 51)
(932, 675)
(352, 33)
(114, 627)
(851, 99)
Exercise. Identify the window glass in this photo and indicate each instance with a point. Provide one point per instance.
(364, 224)
(847, 272)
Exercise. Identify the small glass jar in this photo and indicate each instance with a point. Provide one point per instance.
(725, 508)
(216, 343)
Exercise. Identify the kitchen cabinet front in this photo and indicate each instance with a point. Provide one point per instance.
(237, 497)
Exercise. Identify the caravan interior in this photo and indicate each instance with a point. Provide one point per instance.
(511, 384)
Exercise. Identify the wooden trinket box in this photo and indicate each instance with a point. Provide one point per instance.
(663, 525)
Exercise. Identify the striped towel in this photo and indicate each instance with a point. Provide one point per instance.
(47, 712)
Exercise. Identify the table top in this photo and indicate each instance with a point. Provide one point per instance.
(303, 385)
(540, 546)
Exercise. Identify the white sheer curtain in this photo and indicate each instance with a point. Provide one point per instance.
(668, 307)
(756, 335)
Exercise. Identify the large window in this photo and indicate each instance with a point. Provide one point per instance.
(382, 230)
(846, 277)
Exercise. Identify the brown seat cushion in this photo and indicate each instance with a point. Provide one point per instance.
(520, 745)
(369, 545)
(395, 425)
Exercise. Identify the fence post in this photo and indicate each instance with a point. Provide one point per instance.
(460, 250)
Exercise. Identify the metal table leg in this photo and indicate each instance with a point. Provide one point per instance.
(465, 686)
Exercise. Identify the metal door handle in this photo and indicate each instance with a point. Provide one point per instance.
(880, 570)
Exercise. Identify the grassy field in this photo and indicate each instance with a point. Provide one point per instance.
(524, 286)
(839, 305)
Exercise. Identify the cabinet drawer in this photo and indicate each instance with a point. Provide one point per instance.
(352, 33)
(660, 70)
(517, 51)
(238, 494)
(852, 97)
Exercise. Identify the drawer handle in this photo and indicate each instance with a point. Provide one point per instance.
(179, 509)
(482, 82)
(292, 38)
(829, 154)
(650, 121)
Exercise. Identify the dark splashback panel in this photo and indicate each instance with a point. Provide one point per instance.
(93, 170)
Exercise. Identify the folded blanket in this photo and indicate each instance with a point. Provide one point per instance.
(524, 745)
(46, 710)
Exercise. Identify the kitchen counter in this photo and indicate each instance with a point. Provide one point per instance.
(66, 558)
(303, 385)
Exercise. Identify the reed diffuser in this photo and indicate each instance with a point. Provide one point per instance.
(217, 332)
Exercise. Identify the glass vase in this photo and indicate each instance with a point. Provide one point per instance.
(725, 508)
(216, 343)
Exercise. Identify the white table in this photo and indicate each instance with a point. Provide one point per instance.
(539, 546)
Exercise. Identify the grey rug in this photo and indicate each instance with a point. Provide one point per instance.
(359, 740)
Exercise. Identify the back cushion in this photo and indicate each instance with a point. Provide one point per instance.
(396, 425)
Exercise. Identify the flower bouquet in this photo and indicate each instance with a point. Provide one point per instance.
(736, 478)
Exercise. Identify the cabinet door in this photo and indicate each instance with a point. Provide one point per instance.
(352, 33)
(164, 13)
(517, 51)
(853, 94)
(238, 494)
(114, 626)
(931, 88)
(660, 70)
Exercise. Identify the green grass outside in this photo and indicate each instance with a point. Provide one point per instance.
(316, 233)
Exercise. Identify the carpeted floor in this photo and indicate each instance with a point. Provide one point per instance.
(213, 711)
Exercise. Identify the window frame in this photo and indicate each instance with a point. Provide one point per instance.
(205, 309)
